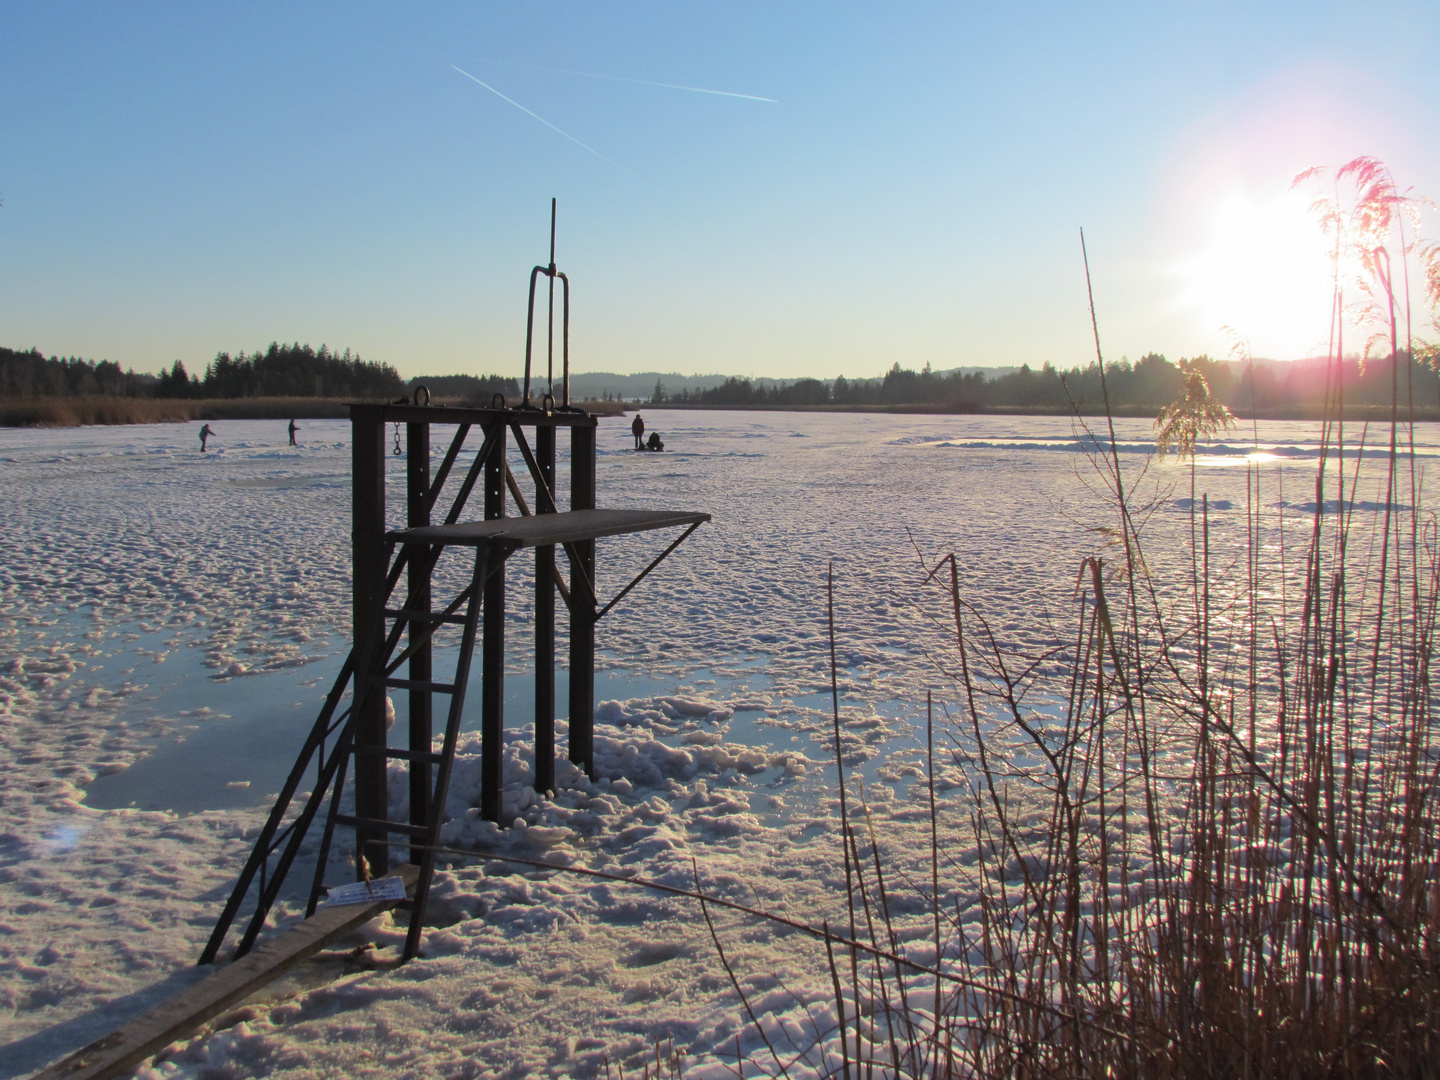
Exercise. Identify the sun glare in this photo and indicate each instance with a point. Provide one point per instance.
(1263, 271)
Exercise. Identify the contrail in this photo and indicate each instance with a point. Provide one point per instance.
(547, 123)
(642, 82)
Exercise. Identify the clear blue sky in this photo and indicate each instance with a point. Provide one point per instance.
(182, 178)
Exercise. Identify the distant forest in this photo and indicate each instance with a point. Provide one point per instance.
(1141, 387)
(1144, 386)
(283, 371)
(280, 371)
(30, 374)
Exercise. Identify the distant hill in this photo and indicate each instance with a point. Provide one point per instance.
(598, 384)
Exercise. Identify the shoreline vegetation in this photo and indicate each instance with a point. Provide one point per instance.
(103, 409)
(97, 409)
(1259, 388)
(297, 380)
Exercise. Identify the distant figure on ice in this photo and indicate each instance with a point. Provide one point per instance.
(654, 443)
(293, 429)
(205, 433)
(638, 430)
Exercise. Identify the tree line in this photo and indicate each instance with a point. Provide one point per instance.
(280, 371)
(1144, 386)
(284, 371)
(32, 374)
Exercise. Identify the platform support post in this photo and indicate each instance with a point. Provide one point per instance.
(367, 535)
(545, 625)
(422, 733)
(582, 611)
(492, 664)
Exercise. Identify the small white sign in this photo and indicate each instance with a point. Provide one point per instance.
(366, 892)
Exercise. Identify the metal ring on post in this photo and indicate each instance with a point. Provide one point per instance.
(422, 386)
(547, 402)
(497, 400)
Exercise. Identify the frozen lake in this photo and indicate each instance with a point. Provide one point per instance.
(171, 620)
(167, 571)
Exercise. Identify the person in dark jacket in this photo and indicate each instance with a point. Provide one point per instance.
(205, 433)
(293, 428)
(637, 428)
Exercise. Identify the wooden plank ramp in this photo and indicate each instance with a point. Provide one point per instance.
(122, 1051)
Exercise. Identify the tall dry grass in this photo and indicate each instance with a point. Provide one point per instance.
(1218, 856)
(91, 409)
(1198, 837)
(97, 409)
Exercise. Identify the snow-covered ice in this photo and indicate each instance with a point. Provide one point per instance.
(170, 622)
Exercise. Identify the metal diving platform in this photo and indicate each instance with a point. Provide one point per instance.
(397, 627)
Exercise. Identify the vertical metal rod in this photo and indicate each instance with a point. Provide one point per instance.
(550, 322)
(566, 339)
(367, 537)
(582, 608)
(492, 663)
(417, 497)
(545, 624)
(530, 332)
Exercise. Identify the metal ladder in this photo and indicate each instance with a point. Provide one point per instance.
(331, 745)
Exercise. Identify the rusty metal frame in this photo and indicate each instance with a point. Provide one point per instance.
(354, 739)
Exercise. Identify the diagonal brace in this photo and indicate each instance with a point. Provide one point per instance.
(492, 437)
(640, 576)
(443, 472)
(544, 498)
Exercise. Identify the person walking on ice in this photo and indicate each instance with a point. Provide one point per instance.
(205, 433)
(293, 429)
(637, 428)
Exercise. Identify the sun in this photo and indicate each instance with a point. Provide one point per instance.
(1265, 271)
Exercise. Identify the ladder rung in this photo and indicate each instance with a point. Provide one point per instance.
(424, 616)
(400, 755)
(414, 684)
(376, 823)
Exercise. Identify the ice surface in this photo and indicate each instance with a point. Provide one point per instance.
(170, 622)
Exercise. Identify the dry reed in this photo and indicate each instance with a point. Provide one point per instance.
(1214, 853)
(97, 409)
